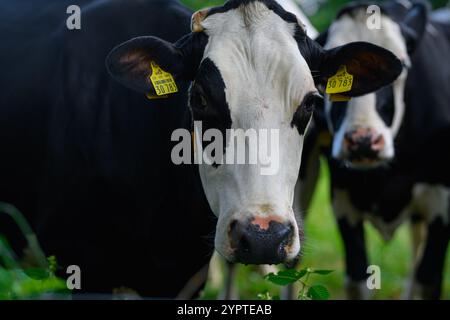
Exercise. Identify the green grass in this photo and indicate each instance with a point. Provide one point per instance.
(31, 277)
(200, 4)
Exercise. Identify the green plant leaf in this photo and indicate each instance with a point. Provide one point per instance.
(322, 272)
(302, 273)
(31, 289)
(318, 292)
(37, 273)
(264, 296)
(7, 256)
(285, 277)
(52, 264)
(30, 283)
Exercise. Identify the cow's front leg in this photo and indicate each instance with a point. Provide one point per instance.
(355, 259)
(429, 273)
(418, 228)
(351, 228)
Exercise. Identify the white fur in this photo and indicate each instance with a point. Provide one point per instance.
(343, 207)
(361, 112)
(429, 201)
(266, 79)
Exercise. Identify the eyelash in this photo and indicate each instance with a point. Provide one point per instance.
(199, 101)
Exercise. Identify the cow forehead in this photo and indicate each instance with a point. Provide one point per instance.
(258, 58)
(354, 27)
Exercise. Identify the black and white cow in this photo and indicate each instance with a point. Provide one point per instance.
(89, 161)
(388, 155)
(252, 66)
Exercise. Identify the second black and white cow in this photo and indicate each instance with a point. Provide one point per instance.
(387, 151)
(252, 66)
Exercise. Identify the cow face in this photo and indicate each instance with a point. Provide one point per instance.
(365, 127)
(252, 67)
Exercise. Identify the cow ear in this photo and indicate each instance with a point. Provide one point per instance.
(414, 24)
(135, 63)
(370, 67)
(322, 38)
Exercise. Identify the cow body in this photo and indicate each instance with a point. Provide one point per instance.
(88, 161)
(411, 185)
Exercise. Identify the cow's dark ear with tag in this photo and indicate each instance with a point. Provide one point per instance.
(370, 67)
(414, 24)
(135, 63)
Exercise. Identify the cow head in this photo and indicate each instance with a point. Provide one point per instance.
(365, 128)
(252, 66)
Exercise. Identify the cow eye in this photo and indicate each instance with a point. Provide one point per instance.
(309, 102)
(199, 100)
(202, 100)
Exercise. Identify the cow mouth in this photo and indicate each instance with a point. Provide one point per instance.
(289, 264)
(284, 258)
(364, 163)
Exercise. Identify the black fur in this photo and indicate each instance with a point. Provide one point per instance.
(209, 88)
(87, 160)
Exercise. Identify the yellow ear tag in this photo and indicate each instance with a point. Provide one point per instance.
(342, 81)
(162, 81)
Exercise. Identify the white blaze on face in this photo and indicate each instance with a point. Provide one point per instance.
(266, 80)
(361, 111)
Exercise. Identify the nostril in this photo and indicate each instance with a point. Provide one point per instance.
(284, 231)
(234, 233)
(351, 140)
(285, 236)
(348, 137)
(244, 244)
(240, 239)
(378, 143)
(232, 226)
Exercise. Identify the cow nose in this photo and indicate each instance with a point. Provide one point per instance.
(260, 241)
(363, 143)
